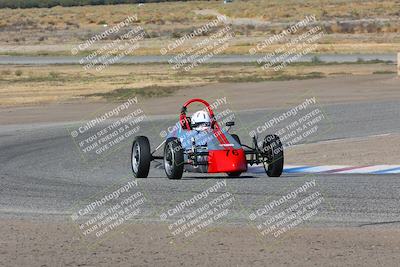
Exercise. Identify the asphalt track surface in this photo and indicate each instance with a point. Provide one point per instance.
(42, 174)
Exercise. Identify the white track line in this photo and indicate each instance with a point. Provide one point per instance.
(337, 169)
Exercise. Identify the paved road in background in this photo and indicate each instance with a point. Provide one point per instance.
(45, 60)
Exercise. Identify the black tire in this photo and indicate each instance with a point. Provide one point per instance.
(235, 174)
(141, 157)
(173, 159)
(273, 149)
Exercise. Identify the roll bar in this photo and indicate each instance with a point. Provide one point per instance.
(183, 119)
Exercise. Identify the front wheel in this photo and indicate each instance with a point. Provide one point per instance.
(273, 155)
(141, 157)
(173, 158)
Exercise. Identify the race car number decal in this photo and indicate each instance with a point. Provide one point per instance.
(234, 152)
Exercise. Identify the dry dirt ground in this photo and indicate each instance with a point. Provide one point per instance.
(351, 151)
(32, 85)
(35, 243)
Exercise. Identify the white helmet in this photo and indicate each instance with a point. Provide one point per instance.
(201, 120)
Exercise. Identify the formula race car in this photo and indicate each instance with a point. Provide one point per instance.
(199, 144)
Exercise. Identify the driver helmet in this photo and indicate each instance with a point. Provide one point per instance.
(201, 121)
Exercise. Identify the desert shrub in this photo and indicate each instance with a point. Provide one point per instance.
(5, 72)
(53, 75)
(316, 59)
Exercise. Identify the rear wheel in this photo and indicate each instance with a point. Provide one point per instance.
(235, 174)
(141, 157)
(273, 155)
(173, 158)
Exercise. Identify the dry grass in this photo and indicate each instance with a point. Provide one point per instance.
(289, 10)
(183, 12)
(237, 47)
(27, 85)
(165, 21)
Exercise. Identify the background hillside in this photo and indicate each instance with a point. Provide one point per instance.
(366, 26)
(67, 3)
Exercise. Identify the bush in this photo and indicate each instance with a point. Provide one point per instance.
(316, 59)
(53, 75)
(5, 72)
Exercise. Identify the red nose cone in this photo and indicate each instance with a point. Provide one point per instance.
(229, 160)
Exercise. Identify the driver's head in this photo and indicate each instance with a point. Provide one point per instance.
(201, 121)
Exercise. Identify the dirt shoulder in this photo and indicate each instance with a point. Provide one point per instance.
(32, 243)
(28, 85)
(351, 151)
